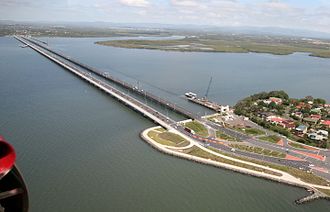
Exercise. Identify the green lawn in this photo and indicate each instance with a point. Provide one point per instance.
(226, 137)
(168, 138)
(161, 129)
(251, 131)
(270, 138)
(258, 150)
(199, 128)
(296, 145)
(303, 175)
(203, 154)
(325, 191)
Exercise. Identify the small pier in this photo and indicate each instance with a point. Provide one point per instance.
(206, 103)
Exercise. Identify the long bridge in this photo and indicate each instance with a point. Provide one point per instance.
(174, 107)
(133, 103)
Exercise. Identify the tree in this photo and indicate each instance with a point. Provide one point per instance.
(279, 94)
(272, 105)
(309, 98)
(319, 101)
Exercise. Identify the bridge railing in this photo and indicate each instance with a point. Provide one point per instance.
(99, 83)
(124, 84)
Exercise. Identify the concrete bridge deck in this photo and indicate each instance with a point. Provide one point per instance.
(176, 108)
(133, 103)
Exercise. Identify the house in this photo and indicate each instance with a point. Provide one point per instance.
(267, 101)
(285, 123)
(302, 105)
(301, 129)
(323, 132)
(315, 136)
(297, 114)
(325, 123)
(276, 100)
(289, 124)
(316, 110)
(318, 135)
(310, 120)
(315, 116)
(274, 119)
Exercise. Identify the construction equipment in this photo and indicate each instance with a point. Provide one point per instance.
(208, 88)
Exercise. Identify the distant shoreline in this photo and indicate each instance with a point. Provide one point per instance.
(222, 45)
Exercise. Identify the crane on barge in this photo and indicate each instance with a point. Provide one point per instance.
(208, 89)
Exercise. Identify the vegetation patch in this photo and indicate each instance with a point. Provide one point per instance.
(278, 112)
(161, 129)
(296, 145)
(233, 43)
(258, 150)
(325, 191)
(197, 127)
(168, 138)
(225, 136)
(305, 176)
(270, 138)
(203, 154)
(251, 131)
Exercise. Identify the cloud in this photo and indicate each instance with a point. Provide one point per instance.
(303, 14)
(135, 3)
(185, 3)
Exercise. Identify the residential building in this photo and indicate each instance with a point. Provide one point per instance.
(289, 124)
(325, 123)
(318, 135)
(301, 129)
(276, 100)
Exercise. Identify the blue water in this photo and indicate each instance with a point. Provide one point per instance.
(80, 150)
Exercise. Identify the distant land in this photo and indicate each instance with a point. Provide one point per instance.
(235, 43)
(48, 28)
(197, 38)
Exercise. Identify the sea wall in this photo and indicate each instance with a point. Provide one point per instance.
(196, 159)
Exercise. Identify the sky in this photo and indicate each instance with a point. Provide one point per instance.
(293, 14)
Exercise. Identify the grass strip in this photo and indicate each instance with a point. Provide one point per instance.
(258, 150)
(226, 137)
(325, 191)
(296, 145)
(250, 131)
(199, 128)
(303, 175)
(168, 138)
(195, 151)
(270, 138)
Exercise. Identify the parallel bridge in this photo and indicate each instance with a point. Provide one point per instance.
(133, 103)
(176, 108)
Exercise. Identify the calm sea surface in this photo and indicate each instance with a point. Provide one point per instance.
(79, 149)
